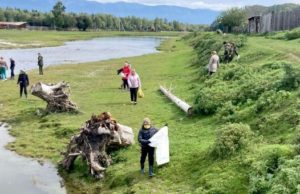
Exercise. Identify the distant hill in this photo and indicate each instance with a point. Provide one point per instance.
(258, 9)
(185, 15)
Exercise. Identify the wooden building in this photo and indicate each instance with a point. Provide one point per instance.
(13, 25)
(274, 21)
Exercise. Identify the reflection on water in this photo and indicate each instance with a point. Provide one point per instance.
(23, 175)
(83, 51)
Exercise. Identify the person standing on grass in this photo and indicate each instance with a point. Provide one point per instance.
(12, 68)
(214, 63)
(145, 133)
(134, 84)
(40, 63)
(3, 68)
(23, 82)
(125, 74)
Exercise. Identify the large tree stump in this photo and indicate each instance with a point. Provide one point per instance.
(99, 134)
(56, 96)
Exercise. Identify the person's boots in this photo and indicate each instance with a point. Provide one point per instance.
(151, 173)
(142, 171)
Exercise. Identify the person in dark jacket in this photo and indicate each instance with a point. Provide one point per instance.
(23, 81)
(40, 63)
(145, 133)
(12, 68)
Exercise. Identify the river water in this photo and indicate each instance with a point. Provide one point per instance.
(23, 175)
(83, 51)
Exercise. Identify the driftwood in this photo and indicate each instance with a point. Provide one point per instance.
(56, 96)
(99, 135)
(180, 103)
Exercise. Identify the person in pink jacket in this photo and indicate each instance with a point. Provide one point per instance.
(214, 63)
(134, 84)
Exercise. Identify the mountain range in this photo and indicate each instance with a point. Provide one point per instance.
(121, 9)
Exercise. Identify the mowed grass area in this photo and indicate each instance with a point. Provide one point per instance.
(95, 89)
(34, 38)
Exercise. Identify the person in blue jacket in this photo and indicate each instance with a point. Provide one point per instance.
(145, 133)
(23, 82)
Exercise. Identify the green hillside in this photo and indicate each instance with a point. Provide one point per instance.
(243, 137)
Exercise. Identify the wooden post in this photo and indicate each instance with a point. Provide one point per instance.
(180, 103)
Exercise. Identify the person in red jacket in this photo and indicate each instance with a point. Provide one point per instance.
(126, 72)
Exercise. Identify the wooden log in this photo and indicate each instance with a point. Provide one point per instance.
(180, 103)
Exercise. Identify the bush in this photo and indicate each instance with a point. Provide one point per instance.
(266, 171)
(230, 139)
(279, 176)
(227, 112)
(271, 99)
(291, 79)
(292, 35)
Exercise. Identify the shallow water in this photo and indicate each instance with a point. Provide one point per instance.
(83, 51)
(23, 175)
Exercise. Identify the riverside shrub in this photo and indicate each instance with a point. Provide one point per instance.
(292, 35)
(275, 175)
(230, 139)
(291, 79)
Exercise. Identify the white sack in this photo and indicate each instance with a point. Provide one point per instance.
(160, 141)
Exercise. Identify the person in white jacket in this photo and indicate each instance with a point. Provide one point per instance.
(214, 63)
(134, 84)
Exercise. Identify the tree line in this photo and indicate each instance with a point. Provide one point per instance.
(59, 19)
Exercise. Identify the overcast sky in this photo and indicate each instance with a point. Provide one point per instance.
(210, 4)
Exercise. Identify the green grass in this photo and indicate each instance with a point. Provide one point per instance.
(192, 168)
(26, 38)
(95, 89)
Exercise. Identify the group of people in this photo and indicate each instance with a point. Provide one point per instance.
(230, 51)
(4, 68)
(23, 79)
(130, 81)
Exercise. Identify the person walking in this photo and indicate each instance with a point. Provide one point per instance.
(40, 63)
(3, 68)
(145, 133)
(214, 63)
(134, 84)
(125, 74)
(23, 82)
(12, 68)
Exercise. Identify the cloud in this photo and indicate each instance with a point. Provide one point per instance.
(204, 4)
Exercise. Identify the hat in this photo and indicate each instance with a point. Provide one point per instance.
(146, 123)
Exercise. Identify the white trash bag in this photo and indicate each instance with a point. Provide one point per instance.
(160, 141)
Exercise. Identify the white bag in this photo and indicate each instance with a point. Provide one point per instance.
(126, 134)
(122, 74)
(160, 141)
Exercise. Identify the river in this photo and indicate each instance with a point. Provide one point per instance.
(24, 175)
(82, 51)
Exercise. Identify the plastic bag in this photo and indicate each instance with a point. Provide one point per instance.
(160, 141)
(141, 93)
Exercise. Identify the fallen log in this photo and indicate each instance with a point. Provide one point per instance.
(99, 135)
(56, 96)
(180, 103)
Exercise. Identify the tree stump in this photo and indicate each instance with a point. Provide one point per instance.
(99, 134)
(56, 96)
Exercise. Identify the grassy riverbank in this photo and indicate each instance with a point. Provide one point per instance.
(192, 168)
(31, 39)
(95, 89)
